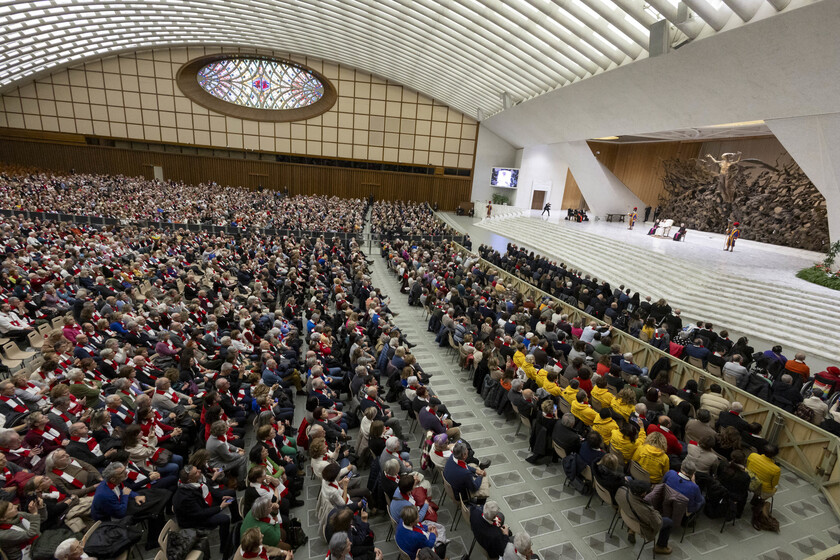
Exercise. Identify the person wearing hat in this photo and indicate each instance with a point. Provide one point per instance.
(632, 217)
(631, 502)
(732, 233)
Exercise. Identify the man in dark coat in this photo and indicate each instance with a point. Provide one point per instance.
(194, 507)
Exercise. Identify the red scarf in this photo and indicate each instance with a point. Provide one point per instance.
(69, 478)
(126, 416)
(14, 403)
(92, 444)
(48, 433)
(170, 393)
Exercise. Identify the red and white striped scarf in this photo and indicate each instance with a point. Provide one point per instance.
(69, 478)
(92, 444)
(48, 433)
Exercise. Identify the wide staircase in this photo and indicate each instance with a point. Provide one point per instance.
(798, 321)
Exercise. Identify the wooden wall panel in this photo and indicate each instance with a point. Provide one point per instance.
(639, 166)
(300, 179)
(572, 197)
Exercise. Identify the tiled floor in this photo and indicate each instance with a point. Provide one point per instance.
(535, 499)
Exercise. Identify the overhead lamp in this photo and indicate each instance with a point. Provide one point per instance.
(729, 125)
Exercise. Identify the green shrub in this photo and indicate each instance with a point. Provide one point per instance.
(817, 275)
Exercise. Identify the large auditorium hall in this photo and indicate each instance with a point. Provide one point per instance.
(419, 280)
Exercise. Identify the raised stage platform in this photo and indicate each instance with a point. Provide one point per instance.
(752, 291)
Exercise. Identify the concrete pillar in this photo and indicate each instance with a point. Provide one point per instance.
(814, 143)
(603, 192)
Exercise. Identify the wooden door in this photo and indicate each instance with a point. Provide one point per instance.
(537, 199)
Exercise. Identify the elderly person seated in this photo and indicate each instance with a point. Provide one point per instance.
(71, 476)
(411, 535)
(18, 530)
(409, 492)
(393, 449)
(252, 546)
(225, 456)
(321, 456)
(337, 492)
(71, 549)
(42, 434)
(20, 454)
(520, 548)
(357, 529)
(489, 529)
(264, 516)
(82, 388)
(629, 367)
(468, 481)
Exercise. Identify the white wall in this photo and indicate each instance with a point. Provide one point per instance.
(491, 151)
(539, 167)
(813, 142)
(784, 66)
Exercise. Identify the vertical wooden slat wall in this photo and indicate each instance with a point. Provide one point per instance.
(300, 179)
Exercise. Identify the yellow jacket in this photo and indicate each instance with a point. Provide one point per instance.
(764, 470)
(584, 412)
(605, 427)
(540, 378)
(553, 388)
(620, 407)
(653, 460)
(625, 446)
(529, 369)
(518, 358)
(603, 396)
(570, 394)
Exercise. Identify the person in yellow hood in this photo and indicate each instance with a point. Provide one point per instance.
(571, 391)
(601, 393)
(519, 355)
(604, 425)
(551, 385)
(528, 367)
(582, 410)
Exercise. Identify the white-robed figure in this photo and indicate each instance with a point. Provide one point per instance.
(664, 229)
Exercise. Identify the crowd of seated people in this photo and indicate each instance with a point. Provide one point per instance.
(789, 384)
(407, 218)
(528, 358)
(151, 354)
(132, 199)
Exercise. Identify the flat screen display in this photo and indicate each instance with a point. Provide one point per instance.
(504, 177)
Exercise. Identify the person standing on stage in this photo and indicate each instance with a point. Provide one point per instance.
(546, 208)
(489, 208)
(732, 233)
(633, 216)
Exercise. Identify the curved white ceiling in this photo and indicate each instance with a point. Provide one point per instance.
(466, 53)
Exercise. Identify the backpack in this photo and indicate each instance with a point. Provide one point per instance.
(112, 538)
(761, 518)
(180, 543)
(804, 412)
(717, 500)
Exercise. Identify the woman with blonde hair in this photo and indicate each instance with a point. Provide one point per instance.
(651, 456)
(625, 402)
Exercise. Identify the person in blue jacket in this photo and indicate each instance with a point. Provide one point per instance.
(411, 535)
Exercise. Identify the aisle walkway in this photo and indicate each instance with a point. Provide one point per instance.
(534, 498)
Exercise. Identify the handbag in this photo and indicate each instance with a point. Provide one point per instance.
(164, 457)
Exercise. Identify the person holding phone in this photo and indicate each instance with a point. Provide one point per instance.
(195, 507)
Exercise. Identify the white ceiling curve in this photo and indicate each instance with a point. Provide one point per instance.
(465, 53)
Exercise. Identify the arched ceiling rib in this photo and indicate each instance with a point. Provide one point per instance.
(465, 53)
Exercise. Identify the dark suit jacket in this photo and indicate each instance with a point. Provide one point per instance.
(566, 438)
(430, 421)
(80, 450)
(728, 419)
(463, 481)
(488, 535)
(190, 508)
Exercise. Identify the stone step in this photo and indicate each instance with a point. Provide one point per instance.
(760, 309)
